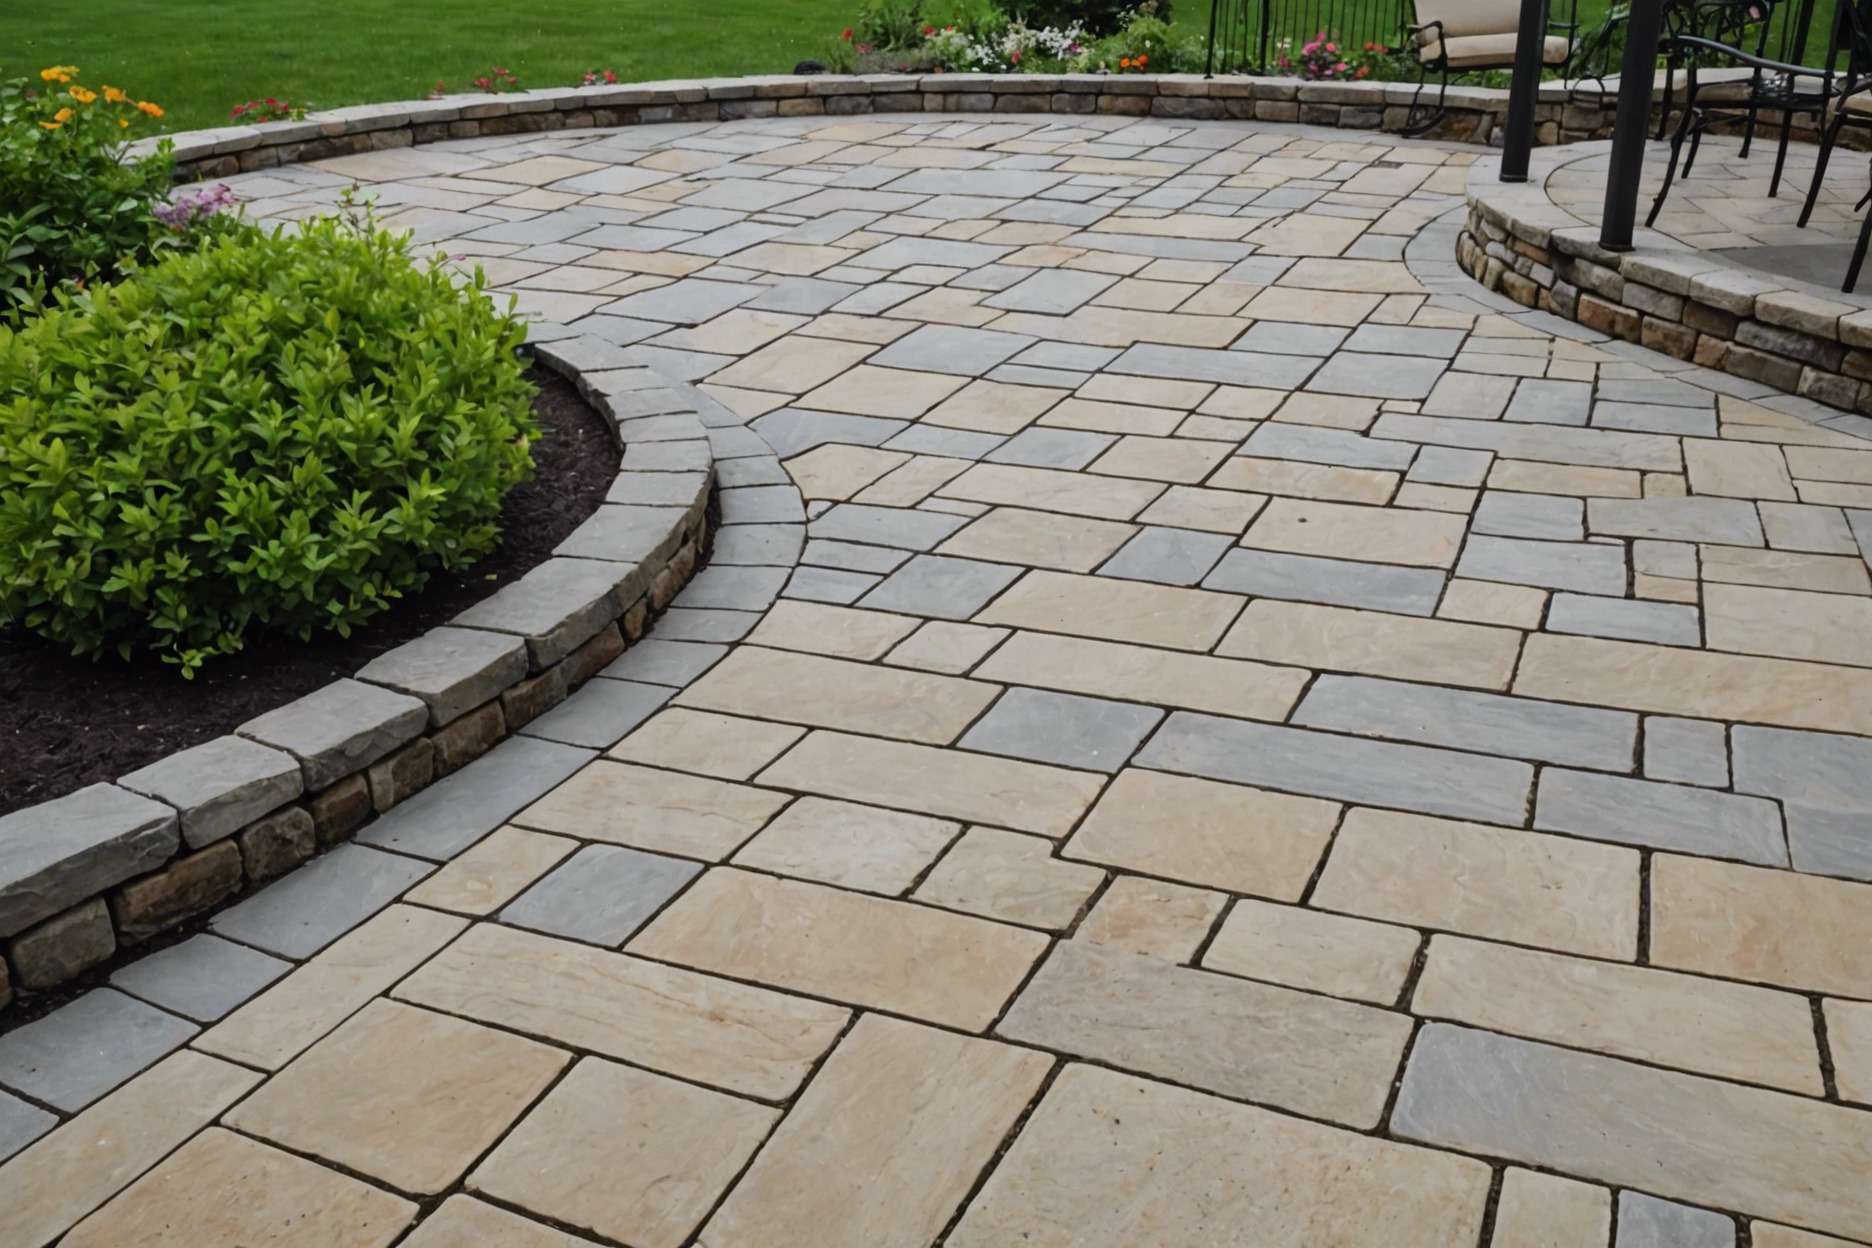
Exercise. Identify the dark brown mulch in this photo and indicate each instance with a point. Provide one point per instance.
(67, 722)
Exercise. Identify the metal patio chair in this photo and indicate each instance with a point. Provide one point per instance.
(1469, 36)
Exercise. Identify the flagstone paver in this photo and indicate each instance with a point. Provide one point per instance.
(1200, 726)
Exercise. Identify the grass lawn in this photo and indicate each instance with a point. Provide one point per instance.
(197, 58)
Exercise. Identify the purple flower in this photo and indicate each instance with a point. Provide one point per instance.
(182, 212)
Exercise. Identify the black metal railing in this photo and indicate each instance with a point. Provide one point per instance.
(1251, 36)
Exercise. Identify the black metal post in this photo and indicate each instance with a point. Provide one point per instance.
(1530, 50)
(1636, 72)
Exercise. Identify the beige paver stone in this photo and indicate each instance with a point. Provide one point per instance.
(1374, 534)
(1145, 391)
(1330, 411)
(492, 872)
(464, 1222)
(1302, 948)
(945, 646)
(976, 788)
(651, 809)
(407, 1096)
(1492, 602)
(1384, 277)
(1307, 234)
(1213, 511)
(1121, 327)
(840, 632)
(1048, 489)
(1315, 1055)
(1784, 569)
(535, 171)
(993, 407)
(1111, 417)
(1146, 674)
(1794, 624)
(1243, 402)
(734, 1036)
(1112, 1161)
(849, 328)
(911, 483)
(834, 693)
(1538, 1210)
(1764, 1235)
(1152, 918)
(1161, 459)
(739, 331)
(1528, 477)
(793, 365)
(852, 846)
(1288, 477)
(1499, 883)
(634, 1156)
(837, 471)
(66, 1174)
(1147, 295)
(1436, 497)
(1010, 877)
(889, 955)
(1040, 539)
(1311, 307)
(1736, 1031)
(792, 259)
(1805, 932)
(891, 392)
(1737, 469)
(1224, 836)
(1849, 1040)
(724, 746)
(1698, 684)
(1375, 643)
(886, 1143)
(222, 1190)
(1134, 611)
(281, 1022)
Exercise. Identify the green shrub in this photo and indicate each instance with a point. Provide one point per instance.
(279, 430)
(1144, 43)
(72, 207)
(1095, 17)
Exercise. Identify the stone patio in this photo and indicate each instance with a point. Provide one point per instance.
(1218, 730)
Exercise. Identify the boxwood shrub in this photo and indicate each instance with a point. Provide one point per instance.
(278, 430)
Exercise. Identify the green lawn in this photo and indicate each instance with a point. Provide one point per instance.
(199, 57)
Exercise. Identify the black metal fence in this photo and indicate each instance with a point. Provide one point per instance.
(1252, 36)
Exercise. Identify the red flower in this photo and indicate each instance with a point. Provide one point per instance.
(846, 34)
(928, 31)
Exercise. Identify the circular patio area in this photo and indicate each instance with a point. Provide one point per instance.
(1203, 725)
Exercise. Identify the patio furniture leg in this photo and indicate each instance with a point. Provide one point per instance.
(1828, 138)
(1696, 145)
(1670, 170)
(1787, 124)
(1859, 253)
(1664, 108)
(1748, 127)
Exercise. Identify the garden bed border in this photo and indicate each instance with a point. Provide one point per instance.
(1777, 331)
(97, 871)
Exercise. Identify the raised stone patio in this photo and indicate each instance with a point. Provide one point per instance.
(1202, 726)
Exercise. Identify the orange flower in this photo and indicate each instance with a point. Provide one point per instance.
(149, 109)
(82, 95)
(63, 115)
(1144, 60)
(123, 123)
(48, 125)
(115, 94)
(1124, 62)
(58, 73)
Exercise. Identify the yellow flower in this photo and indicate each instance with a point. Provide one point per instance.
(149, 109)
(123, 123)
(63, 115)
(58, 73)
(115, 94)
(48, 125)
(82, 95)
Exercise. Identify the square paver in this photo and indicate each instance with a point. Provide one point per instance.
(601, 894)
(941, 587)
(80, 1051)
(1062, 728)
(1167, 556)
(300, 914)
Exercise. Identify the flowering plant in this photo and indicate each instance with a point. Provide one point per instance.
(190, 208)
(1321, 60)
(1144, 44)
(593, 77)
(74, 204)
(268, 109)
(497, 81)
(1015, 49)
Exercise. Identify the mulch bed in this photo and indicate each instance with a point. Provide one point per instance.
(70, 722)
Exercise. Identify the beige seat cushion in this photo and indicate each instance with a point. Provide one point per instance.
(1466, 51)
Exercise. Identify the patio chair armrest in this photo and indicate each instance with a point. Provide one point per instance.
(1419, 28)
(1737, 54)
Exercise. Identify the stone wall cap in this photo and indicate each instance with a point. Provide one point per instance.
(453, 670)
(339, 729)
(59, 853)
(220, 786)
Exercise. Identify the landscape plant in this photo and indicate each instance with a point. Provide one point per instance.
(75, 207)
(287, 431)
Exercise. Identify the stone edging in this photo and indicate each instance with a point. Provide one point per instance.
(1779, 332)
(1563, 114)
(84, 875)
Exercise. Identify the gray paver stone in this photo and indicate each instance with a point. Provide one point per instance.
(601, 894)
(1724, 521)
(599, 714)
(1061, 728)
(660, 662)
(1588, 567)
(1629, 619)
(1647, 1222)
(340, 729)
(301, 913)
(82, 1050)
(1504, 513)
(1167, 556)
(941, 586)
(1334, 582)
(1824, 782)
(21, 1124)
(459, 809)
(1662, 816)
(202, 978)
(557, 606)
(1686, 751)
